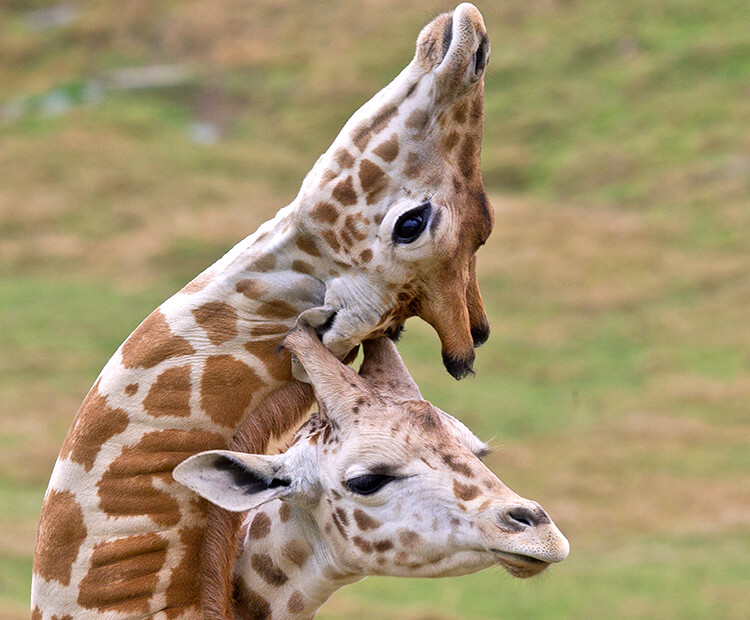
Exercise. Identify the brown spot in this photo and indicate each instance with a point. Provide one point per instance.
(457, 466)
(362, 544)
(465, 492)
(269, 329)
(218, 319)
(197, 284)
(170, 393)
(127, 487)
(365, 521)
(342, 516)
(308, 245)
(249, 605)
(361, 135)
(262, 264)
(329, 236)
(94, 424)
(352, 224)
(450, 141)
(325, 212)
(339, 525)
(459, 112)
(388, 150)
(123, 574)
(344, 158)
(301, 266)
(382, 118)
(268, 571)
(344, 192)
(285, 512)
(296, 603)
(374, 181)
(36, 614)
(382, 546)
(131, 389)
(408, 538)
(250, 288)
(276, 309)
(227, 389)
(185, 581)
(260, 527)
(377, 218)
(153, 342)
(278, 365)
(296, 551)
(412, 166)
(346, 239)
(418, 120)
(468, 157)
(328, 176)
(60, 535)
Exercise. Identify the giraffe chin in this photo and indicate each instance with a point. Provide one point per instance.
(520, 566)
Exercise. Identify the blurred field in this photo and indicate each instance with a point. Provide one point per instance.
(616, 384)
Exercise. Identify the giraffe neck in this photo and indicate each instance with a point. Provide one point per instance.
(117, 534)
(284, 570)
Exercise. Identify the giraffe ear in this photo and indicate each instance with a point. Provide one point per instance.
(385, 371)
(233, 480)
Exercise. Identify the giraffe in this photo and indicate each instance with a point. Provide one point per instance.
(378, 482)
(386, 225)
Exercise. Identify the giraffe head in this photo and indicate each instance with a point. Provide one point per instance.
(387, 483)
(397, 207)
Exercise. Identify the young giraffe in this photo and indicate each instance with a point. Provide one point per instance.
(385, 226)
(379, 482)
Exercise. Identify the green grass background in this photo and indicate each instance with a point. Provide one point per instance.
(616, 383)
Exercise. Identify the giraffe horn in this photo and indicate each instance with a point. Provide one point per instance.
(385, 371)
(335, 383)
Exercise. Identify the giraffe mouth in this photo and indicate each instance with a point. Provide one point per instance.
(518, 565)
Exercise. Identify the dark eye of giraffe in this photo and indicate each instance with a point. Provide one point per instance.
(368, 484)
(411, 224)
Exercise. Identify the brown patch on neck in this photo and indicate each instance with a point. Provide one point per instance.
(268, 570)
(388, 150)
(127, 487)
(60, 536)
(249, 605)
(94, 424)
(227, 389)
(278, 365)
(170, 394)
(308, 245)
(123, 574)
(262, 263)
(184, 588)
(218, 320)
(153, 342)
(344, 192)
(344, 159)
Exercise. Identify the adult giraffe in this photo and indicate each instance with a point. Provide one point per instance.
(378, 482)
(386, 225)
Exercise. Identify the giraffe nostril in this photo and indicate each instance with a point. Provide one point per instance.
(519, 518)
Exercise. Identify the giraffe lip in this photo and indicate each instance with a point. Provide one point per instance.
(519, 565)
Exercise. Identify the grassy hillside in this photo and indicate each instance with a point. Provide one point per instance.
(616, 382)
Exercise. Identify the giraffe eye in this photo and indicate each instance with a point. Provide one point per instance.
(368, 484)
(411, 224)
